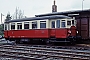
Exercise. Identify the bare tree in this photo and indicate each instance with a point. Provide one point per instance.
(18, 14)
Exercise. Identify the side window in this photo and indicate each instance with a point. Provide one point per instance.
(72, 22)
(26, 25)
(68, 22)
(12, 26)
(58, 23)
(19, 25)
(63, 24)
(53, 24)
(34, 25)
(42, 24)
(5, 26)
(8, 26)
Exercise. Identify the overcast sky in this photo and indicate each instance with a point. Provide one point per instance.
(34, 7)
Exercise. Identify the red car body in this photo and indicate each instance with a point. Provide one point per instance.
(41, 33)
(47, 34)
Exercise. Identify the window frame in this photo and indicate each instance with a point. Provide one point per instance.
(33, 22)
(28, 25)
(64, 22)
(5, 26)
(57, 23)
(19, 26)
(12, 25)
(9, 26)
(70, 21)
(41, 23)
(54, 24)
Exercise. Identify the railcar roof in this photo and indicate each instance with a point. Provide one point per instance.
(39, 18)
(63, 13)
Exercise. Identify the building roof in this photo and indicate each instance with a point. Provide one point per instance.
(63, 13)
(39, 18)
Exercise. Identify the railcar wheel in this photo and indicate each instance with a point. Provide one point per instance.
(49, 43)
(73, 42)
(17, 41)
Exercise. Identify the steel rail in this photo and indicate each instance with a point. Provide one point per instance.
(19, 49)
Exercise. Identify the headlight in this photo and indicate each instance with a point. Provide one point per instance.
(77, 31)
(69, 31)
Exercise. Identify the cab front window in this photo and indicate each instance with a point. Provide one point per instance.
(68, 22)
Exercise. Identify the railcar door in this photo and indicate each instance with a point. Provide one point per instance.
(6, 30)
(73, 31)
(52, 30)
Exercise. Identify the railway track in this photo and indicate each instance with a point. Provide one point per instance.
(42, 52)
(76, 47)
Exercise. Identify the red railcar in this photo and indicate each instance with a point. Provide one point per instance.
(46, 29)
